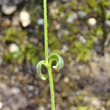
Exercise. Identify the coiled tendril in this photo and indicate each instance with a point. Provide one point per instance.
(51, 58)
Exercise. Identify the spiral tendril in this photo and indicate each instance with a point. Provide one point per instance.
(52, 57)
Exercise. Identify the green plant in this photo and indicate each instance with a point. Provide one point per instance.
(48, 60)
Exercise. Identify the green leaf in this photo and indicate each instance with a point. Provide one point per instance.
(39, 68)
(58, 59)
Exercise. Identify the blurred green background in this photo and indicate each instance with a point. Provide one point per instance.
(79, 30)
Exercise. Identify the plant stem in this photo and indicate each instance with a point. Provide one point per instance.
(46, 57)
(51, 88)
(45, 31)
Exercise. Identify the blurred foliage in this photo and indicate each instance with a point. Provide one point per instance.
(60, 31)
(82, 108)
(28, 51)
(15, 35)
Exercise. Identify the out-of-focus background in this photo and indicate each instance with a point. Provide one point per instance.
(79, 30)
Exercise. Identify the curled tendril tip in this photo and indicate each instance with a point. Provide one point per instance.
(51, 58)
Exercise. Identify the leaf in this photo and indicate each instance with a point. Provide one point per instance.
(58, 59)
(39, 68)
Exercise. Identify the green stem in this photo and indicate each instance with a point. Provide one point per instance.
(45, 31)
(51, 88)
(46, 57)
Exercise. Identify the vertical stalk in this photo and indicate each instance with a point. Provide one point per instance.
(51, 88)
(45, 31)
(48, 63)
(46, 57)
